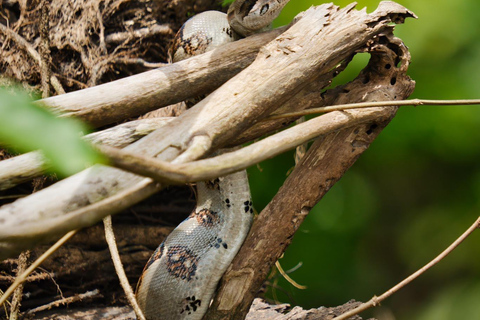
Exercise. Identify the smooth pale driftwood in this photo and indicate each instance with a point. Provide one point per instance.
(135, 95)
(240, 159)
(25, 167)
(314, 45)
(325, 163)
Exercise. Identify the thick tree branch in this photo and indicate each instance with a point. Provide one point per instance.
(313, 46)
(325, 163)
(25, 167)
(138, 94)
(240, 159)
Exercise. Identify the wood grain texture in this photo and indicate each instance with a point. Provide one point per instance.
(326, 161)
(25, 167)
(313, 46)
(141, 93)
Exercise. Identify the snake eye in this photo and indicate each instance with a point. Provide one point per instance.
(264, 9)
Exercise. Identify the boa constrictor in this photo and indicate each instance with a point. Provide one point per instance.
(180, 278)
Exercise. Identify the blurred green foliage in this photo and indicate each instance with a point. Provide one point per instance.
(25, 127)
(410, 195)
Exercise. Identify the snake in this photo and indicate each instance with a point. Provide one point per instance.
(180, 278)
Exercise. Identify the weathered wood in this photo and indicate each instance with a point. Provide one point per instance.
(237, 160)
(141, 93)
(314, 45)
(324, 164)
(259, 311)
(25, 167)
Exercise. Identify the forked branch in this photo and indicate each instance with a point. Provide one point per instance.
(309, 50)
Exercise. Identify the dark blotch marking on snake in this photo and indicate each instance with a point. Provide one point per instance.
(191, 305)
(181, 262)
(219, 242)
(213, 184)
(248, 206)
(227, 201)
(155, 256)
(177, 43)
(206, 218)
(229, 32)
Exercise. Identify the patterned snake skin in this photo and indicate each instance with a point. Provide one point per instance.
(180, 278)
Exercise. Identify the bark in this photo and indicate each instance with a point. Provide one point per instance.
(25, 167)
(259, 311)
(324, 164)
(312, 47)
(141, 93)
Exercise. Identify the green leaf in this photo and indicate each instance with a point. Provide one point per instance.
(25, 126)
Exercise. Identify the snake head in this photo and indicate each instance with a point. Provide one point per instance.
(250, 16)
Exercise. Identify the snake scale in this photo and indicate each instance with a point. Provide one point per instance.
(180, 278)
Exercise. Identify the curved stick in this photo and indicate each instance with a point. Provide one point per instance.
(375, 301)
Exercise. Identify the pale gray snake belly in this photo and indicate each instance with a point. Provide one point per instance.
(181, 276)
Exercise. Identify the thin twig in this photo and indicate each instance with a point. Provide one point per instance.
(45, 48)
(139, 33)
(103, 46)
(394, 103)
(117, 262)
(21, 278)
(227, 163)
(300, 152)
(287, 277)
(377, 300)
(66, 301)
(140, 62)
(18, 293)
(5, 309)
(35, 277)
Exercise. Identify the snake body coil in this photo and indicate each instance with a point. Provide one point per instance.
(180, 278)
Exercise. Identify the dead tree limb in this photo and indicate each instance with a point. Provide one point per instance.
(324, 164)
(25, 167)
(141, 93)
(313, 46)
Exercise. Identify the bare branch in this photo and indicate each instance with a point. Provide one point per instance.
(25, 167)
(138, 94)
(370, 104)
(375, 301)
(117, 262)
(66, 301)
(163, 29)
(239, 159)
(313, 46)
(326, 161)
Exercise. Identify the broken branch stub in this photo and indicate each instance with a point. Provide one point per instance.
(313, 46)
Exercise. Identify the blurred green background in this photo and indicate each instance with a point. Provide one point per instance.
(410, 195)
